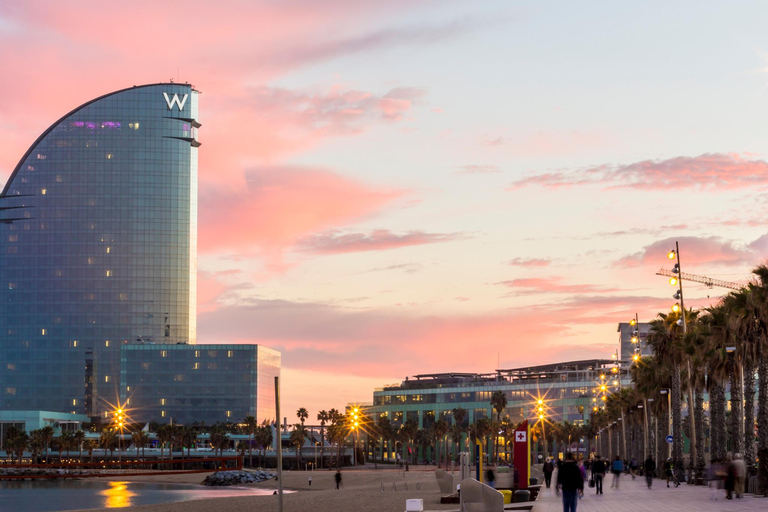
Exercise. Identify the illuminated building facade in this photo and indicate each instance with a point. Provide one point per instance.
(98, 249)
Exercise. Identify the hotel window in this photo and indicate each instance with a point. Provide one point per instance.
(163, 353)
(196, 366)
(162, 401)
(43, 332)
(11, 286)
(11, 366)
(123, 296)
(43, 191)
(110, 273)
(106, 378)
(10, 391)
(109, 156)
(162, 413)
(229, 353)
(197, 353)
(91, 261)
(106, 343)
(74, 401)
(229, 414)
(108, 250)
(13, 238)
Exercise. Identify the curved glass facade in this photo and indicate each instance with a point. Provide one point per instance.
(98, 247)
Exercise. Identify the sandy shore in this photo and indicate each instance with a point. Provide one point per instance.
(360, 492)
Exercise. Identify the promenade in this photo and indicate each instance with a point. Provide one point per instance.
(634, 496)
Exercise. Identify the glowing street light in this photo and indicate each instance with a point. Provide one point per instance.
(676, 307)
(673, 281)
(672, 254)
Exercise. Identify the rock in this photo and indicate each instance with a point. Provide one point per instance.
(224, 478)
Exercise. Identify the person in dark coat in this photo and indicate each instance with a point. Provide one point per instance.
(548, 468)
(571, 482)
(598, 473)
(649, 468)
(338, 479)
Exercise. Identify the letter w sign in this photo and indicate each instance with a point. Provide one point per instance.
(175, 101)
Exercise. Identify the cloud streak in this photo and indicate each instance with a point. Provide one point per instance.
(335, 242)
(707, 172)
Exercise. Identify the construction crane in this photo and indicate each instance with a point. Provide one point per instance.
(708, 281)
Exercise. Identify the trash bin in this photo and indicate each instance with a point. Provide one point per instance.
(522, 496)
(533, 481)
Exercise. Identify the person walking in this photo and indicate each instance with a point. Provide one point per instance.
(616, 468)
(547, 469)
(338, 479)
(490, 478)
(649, 468)
(598, 473)
(740, 475)
(633, 467)
(569, 479)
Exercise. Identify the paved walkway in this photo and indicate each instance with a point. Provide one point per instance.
(634, 496)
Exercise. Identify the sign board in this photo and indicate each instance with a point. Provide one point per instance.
(522, 454)
(670, 439)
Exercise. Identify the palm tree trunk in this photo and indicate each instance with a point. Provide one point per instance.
(699, 415)
(749, 417)
(762, 421)
(719, 435)
(692, 419)
(737, 441)
(677, 421)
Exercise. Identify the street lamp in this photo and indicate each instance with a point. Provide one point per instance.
(669, 411)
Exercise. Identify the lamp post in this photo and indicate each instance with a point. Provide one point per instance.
(675, 254)
(665, 391)
(119, 426)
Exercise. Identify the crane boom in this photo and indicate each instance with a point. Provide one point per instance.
(708, 281)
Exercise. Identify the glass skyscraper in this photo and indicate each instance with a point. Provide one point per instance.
(98, 247)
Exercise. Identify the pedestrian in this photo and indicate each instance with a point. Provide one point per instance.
(310, 481)
(669, 469)
(633, 467)
(616, 469)
(715, 479)
(569, 479)
(548, 468)
(740, 475)
(730, 476)
(491, 478)
(338, 479)
(649, 468)
(598, 473)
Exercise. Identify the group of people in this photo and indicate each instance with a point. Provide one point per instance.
(730, 475)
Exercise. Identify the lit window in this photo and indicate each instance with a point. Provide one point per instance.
(109, 156)
(11, 286)
(229, 414)
(162, 401)
(74, 401)
(136, 126)
(163, 353)
(229, 353)
(128, 401)
(123, 296)
(74, 343)
(197, 353)
(196, 366)
(128, 388)
(43, 332)
(13, 238)
(11, 366)
(91, 261)
(106, 343)
(109, 273)
(59, 179)
(162, 413)
(43, 191)
(109, 249)
(10, 391)
(106, 378)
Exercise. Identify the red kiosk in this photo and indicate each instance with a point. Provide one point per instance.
(522, 454)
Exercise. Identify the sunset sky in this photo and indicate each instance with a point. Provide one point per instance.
(390, 188)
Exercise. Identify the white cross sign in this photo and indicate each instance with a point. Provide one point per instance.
(520, 437)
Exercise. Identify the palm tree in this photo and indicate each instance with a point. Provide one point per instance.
(323, 417)
(297, 438)
(140, 440)
(66, 442)
(250, 428)
(760, 300)
(164, 435)
(408, 431)
(663, 337)
(47, 433)
(36, 443)
(79, 437)
(89, 445)
(106, 439)
(499, 403)
(439, 431)
(302, 414)
(264, 438)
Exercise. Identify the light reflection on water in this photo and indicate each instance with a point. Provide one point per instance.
(53, 496)
(117, 495)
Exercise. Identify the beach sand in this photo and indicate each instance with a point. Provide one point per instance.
(360, 492)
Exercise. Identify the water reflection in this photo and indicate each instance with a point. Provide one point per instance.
(117, 495)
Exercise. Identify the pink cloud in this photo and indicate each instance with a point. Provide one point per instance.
(552, 285)
(695, 251)
(280, 205)
(529, 262)
(715, 171)
(335, 242)
(478, 169)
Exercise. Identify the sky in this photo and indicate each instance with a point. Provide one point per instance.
(405, 187)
